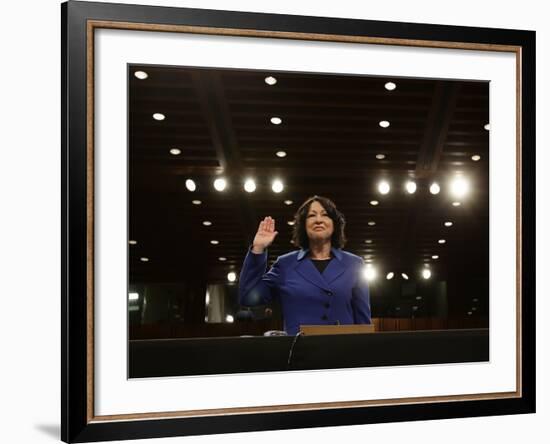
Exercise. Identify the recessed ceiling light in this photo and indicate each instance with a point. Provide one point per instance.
(281, 153)
(390, 86)
(374, 202)
(384, 187)
(231, 276)
(456, 204)
(368, 241)
(214, 242)
(288, 202)
(141, 75)
(220, 184)
(384, 123)
(290, 222)
(459, 187)
(410, 186)
(276, 120)
(133, 296)
(448, 224)
(418, 298)
(380, 156)
(175, 151)
(270, 80)
(277, 186)
(404, 276)
(435, 188)
(441, 241)
(206, 223)
(476, 157)
(250, 186)
(389, 275)
(229, 319)
(144, 259)
(426, 274)
(487, 126)
(159, 116)
(371, 223)
(369, 272)
(196, 202)
(132, 242)
(469, 313)
(435, 256)
(222, 259)
(190, 185)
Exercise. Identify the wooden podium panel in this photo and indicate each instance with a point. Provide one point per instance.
(311, 330)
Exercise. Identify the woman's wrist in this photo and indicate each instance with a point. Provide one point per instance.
(257, 250)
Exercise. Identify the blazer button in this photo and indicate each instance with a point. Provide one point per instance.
(329, 293)
(324, 317)
(327, 305)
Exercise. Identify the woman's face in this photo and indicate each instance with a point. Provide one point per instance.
(319, 226)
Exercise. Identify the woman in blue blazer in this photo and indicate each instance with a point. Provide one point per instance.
(320, 284)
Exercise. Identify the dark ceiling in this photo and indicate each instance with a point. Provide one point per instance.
(220, 121)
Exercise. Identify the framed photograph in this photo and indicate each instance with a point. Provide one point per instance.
(259, 205)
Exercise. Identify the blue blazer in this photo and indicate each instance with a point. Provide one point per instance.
(339, 295)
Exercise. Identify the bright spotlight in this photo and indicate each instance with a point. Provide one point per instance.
(231, 276)
(250, 186)
(404, 276)
(277, 186)
(229, 319)
(133, 296)
(434, 188)
(459, 187)
(190, 185)
(220, 184)
(389, 275)
(410, 186)
(426, 274)
(369, 272)
(384, 187)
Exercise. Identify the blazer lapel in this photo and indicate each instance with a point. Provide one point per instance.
(307, 270)
(334, 269)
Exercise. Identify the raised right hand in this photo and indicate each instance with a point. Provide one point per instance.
(265, 235)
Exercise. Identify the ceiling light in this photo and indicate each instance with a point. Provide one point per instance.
(281, 153)
(369, 272)
(426, 274)
(390, 86)
(175, 151)
(250, 186)
(214, 242)
(223, 259)
(206, 223)
(476, 157)
(133, 296)
(288, 202)
(459, 187)
(144, 259)
(277, 186)
(410, 186)
(434, 188)
(384, 187)
(276, 120)
(141, 75)
(418, 298)
(196, 202)
(380, 156)
(469, 313)
(435, 256)
(374, 202)
(132, 242)
(291, 222)
(487, 126)
(389, 275)
(441, 241)
(270, 80)
(384, 123)
(231, 276)
(159, 116)
(190, 185)
(368, 241)
(456, 204)
(404, 276)
(229, 319)
(220, 184)
(448, 224)
(371, 223)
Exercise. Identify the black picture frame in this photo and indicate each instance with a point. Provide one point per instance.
(78, 423)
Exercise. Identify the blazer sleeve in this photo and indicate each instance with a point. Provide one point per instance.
(256, 287)
(360, 299)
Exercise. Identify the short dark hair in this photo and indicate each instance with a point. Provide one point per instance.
(299, 233)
